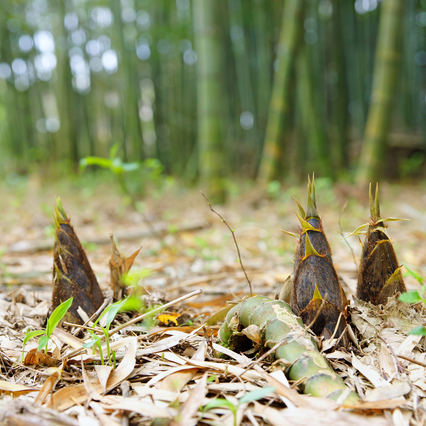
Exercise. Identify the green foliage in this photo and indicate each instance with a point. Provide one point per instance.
(52, 322)
(134, 178)
(410, 166)
(130, 303)
(247, 398)
(415, 296)
(273, 189)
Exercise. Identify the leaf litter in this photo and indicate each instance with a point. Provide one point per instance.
(166, 375)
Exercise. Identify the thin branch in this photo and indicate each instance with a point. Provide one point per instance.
(235, 241)
(137, 319)
(93, 318)
(414, 361)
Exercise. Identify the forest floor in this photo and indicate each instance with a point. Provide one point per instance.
(204, 257)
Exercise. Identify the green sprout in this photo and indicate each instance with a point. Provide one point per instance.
(248, 397)
(130, 303)
(150, 170)
(52, 322)
(415, 296)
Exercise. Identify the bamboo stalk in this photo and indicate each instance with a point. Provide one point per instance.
(279, 105)
(384, 84)
(210, 97)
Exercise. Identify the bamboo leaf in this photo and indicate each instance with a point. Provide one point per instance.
(410, 297)
(419, 331)
(309, 248)
(95, 161)
(219, 402)
(413, 274)
(256, 395)
(299, 206)
(42, 343)
(57, 316)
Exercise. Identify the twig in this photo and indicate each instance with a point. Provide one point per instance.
(235, 241)
(343, 235)
(137, 319)
(94, 317)
(414, 361)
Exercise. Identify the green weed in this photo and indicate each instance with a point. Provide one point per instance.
(130, 303)
(52, 322)
(248, 397)
(415, 296)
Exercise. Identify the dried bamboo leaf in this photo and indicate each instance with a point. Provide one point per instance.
(190, 408)
(384, 393)
(103, 372)
(16, 389)
(119, 266)
(370, 373)
(135, 405)
(35, 357)
(48, 386)
(69, 396)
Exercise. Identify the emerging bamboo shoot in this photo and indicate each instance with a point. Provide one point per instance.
(265, 322)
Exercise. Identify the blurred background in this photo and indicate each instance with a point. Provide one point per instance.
(209, 91)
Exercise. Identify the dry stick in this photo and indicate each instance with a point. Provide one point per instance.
(343, 235)
(94, 317)
(414, 361)
(137, 319)
(235, 241)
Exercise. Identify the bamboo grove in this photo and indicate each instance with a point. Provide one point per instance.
(215, 88)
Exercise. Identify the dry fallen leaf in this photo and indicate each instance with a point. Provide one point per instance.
(69, 396)
(35, 357)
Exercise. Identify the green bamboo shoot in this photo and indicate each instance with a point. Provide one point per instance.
(273, 321)
(384, 84)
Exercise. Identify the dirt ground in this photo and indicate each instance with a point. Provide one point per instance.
(178, 261)
(193, 249)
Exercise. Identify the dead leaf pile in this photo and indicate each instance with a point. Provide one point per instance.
(167, 375)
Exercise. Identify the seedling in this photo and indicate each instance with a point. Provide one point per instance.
(127, 304)
(52, 322)
(150, 170)
(414, 296)
(248, 397)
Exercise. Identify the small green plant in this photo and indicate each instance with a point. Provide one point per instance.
(148, 171)
(52, 322)
(248, 397)
(273, 189)
(408, 167)
(415, 296)
(130, 303)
